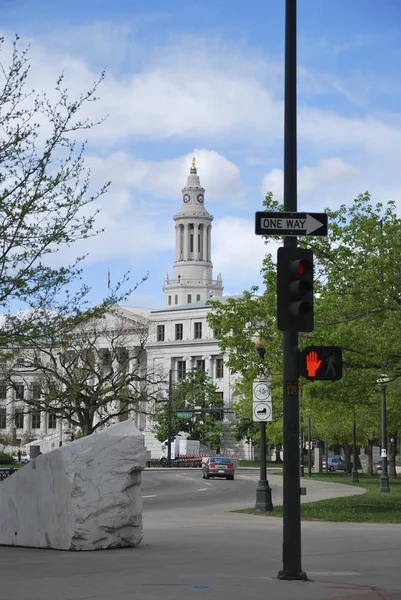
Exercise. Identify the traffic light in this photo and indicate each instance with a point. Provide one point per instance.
(321, 363)
(294, 289)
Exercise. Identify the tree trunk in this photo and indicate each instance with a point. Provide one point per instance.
(392, 453)
(347, 458)
(369, 454)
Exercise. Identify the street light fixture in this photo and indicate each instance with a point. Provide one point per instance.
(384, 480)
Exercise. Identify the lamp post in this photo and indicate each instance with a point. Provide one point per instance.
(354, 475)
(384, 480)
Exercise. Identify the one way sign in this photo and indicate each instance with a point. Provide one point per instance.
(290, 223)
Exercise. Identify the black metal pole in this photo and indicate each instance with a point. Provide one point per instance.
(263, 491)
(309, 448)
(354, 475)
(291, 479)
(384, 480)
(326, 445)
(169, 416)
(301, 439)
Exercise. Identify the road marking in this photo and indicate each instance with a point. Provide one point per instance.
(202, 490)
(151, 496)
(333, 573)
(209, 483)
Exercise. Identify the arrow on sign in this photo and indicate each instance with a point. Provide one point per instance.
(285, 223)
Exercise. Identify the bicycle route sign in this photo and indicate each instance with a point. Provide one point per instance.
(262, 404)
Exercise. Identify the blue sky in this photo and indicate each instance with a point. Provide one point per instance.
(205, 79)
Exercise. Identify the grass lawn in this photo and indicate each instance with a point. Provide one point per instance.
(15, 465)
(256, 463)
(370, 507)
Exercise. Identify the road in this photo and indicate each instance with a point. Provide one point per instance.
(185, 490)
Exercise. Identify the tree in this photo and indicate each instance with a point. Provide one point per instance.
(194, 390)
(93, 375)
(45, 200)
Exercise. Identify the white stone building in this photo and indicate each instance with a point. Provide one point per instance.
(180, 338)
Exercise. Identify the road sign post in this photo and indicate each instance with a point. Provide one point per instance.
(262, 412)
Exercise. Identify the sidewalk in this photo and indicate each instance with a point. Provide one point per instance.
(214, 554)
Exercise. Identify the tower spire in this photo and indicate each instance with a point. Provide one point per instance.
(193, 166)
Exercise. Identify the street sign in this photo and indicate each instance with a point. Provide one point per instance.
(184, 414)
(290, 223)
(321, 363)
(262, 411)
(261, 391)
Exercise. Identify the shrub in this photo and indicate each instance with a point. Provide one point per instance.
(6, 459)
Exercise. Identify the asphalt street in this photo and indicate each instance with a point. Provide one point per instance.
(194, 546)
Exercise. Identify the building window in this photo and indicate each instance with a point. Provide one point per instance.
(197, 331)
(176, 299)
(199, 243)
(219, 368)
(197, 297)
(19, 418)
(3, 418)
(178, 331)
(3, 391)
(169, 300)
(160, 333)
(36, 391)
(19, 389)
(200, 364)
(36, 419)
(216, 333)
(52, 422)
(181, 369)
(189, 299)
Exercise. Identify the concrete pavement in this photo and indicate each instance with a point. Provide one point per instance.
(215, 554)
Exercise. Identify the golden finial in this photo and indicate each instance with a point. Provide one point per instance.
(193, 166)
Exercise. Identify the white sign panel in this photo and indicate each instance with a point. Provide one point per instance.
(261, 391)
(262, 411)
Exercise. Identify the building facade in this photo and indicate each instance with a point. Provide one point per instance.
(179, 337)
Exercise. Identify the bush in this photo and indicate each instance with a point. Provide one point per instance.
(6, 459)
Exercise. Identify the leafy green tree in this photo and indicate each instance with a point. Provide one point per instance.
(194, 390)
(46, 202)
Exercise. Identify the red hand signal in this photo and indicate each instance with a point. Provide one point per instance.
(312, 364)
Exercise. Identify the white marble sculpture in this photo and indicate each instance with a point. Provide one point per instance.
(82, 496)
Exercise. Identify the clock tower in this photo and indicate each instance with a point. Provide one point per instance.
(193, 270)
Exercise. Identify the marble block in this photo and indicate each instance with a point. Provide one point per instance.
(82, 496)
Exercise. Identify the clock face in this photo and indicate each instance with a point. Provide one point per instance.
(200, 198)
(187, 198)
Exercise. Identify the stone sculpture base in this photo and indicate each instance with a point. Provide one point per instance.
(82, 496)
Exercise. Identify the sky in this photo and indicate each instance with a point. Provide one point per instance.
(205, 79)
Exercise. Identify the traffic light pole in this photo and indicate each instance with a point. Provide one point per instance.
(291, 478)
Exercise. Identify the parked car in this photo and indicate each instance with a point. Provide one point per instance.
(25, 457)
(336, 463)
(218, 466)
(378, 466)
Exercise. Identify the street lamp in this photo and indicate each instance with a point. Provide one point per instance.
(384, 481)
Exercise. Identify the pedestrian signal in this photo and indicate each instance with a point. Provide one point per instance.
(321, 363)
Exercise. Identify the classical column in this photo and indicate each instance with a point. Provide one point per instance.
(177, 242)
(208, 366)
(27, 422)
(10, 406)
(186, 241)
(204, 242)
(43, 422)
(209, 243)
(188, 363)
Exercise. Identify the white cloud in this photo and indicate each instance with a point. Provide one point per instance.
(237, 252)
(310, 178)
(218, 175)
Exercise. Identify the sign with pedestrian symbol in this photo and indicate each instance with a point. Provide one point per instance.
(321, 363)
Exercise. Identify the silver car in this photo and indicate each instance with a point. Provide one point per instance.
(218, 466)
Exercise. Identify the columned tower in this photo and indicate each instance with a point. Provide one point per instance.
(193, 269)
